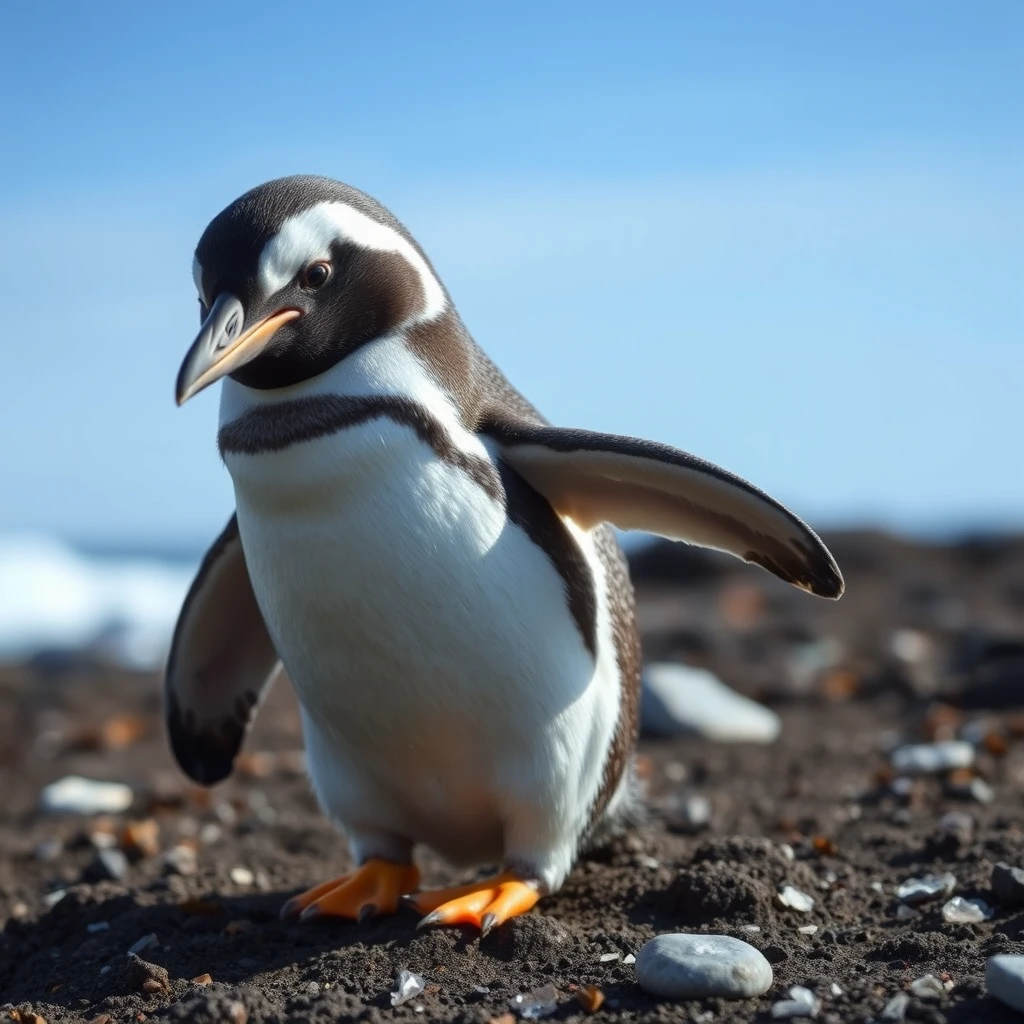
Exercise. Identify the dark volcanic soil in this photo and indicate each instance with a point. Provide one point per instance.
(927, 643)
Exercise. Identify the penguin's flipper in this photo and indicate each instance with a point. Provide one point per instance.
(220, 663)
(642, 485)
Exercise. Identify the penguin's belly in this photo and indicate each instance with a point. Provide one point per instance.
(442, 676)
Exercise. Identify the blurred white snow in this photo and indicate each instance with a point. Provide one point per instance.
(54, 599)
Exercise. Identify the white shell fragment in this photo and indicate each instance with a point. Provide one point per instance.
(925, 888)
(1004, 979)
(796, 900)
(541, 1002)
(407, 986)
(77, 795)
(679, 700)
(684, 966)
(932, 758)
(927, 987)
(962, 911)
(802, 1002)
(896, 1008)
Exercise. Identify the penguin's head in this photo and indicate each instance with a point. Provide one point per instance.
(296, 274)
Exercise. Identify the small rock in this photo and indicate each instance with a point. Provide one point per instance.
(591, 998)
(181, 860)
(927, 987)
(796, 900)
(980, 791)
(680, 700)
(932, 758)
(242, 876)
(48, 850)
(925, 888)
(311, 989)
(149, 941)
(51, 899)
(607, 958)
(802, 1002)
(541, 1002)
(141, 838)
(685, 966)
(628, 960)
(962, 911)
(202, 979)
(693, 811)
(1004, 979)
(147, 977)
(834, 990)
(896, 1008)
(210, 833)
(108, 865)
(407, 986)
(95, 927)
(1008, 884)
(807, 929)
(237, 1013)
(958, 824)
(77, 795)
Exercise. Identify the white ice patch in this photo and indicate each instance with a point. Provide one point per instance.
(54, 599)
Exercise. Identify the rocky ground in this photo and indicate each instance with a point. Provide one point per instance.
(927, 646)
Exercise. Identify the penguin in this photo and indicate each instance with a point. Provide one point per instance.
(430, 561)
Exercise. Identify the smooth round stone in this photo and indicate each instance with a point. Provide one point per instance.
(1004, 979)
(699, 966)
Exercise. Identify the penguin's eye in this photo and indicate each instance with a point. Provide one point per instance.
(316, 275)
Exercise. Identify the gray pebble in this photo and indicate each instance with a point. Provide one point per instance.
(932, 758)
(701, 966)
(149, 941)
(1008, 884)
(107, 865)
(1004, 979)
(896, 1008)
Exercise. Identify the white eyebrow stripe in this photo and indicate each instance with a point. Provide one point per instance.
(308, 236)
(197, 277)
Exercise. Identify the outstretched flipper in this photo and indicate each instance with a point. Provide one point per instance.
(221, 662)
(643, 485)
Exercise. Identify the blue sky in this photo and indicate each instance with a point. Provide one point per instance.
(787, 237)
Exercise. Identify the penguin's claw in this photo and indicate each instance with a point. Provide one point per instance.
(374, 888)
(484, 904)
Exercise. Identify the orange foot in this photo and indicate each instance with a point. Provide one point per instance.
(373, 888)
(485, 904)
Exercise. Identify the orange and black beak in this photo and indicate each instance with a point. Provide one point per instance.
(224, 344)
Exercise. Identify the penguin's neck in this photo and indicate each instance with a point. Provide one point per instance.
(387, 367)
